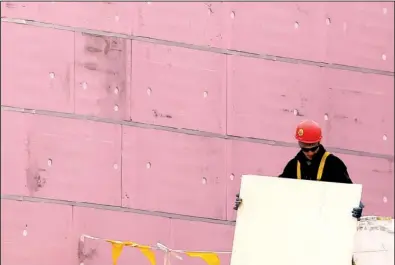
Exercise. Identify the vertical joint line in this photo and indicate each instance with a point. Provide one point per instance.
(120, 163)
(226, 141)
(74, 60)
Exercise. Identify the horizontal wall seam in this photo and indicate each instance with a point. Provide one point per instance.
(197, 47)
(390, 158)
(12, 197)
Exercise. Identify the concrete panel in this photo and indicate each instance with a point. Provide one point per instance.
(295, 30)
(256, 159)
(61, 158)
(36, 234)
(188, 235)
(178, 87)
(361, 34)
(39, 70)
(178, 173)
(143, 229)
(360, 111)
(267, 99)
(102, 76)
(377, 177)
(107, 16)
(13, 156)
(194, 23)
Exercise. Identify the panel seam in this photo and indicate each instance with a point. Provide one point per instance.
(262, 56)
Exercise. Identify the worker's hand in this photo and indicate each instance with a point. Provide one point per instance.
(357, 211)
(237, 202)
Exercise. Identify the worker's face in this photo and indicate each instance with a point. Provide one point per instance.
(309, 150)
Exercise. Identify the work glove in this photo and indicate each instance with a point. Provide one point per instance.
(357, 211)
(237, 202)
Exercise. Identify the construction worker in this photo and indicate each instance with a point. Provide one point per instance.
(313, 162)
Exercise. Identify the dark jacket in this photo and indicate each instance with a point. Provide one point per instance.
(334, 170)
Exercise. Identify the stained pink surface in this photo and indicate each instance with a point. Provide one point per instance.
(67, 224)
(102, 76)
(60, 158)
(119, 226)
(185, 174)
(357, 33)
(359, 107)
(108, 16)
(154, 170)
(30, 55)
(295, 30)
(196, 23)
(205, 236)
(178, 87)
(360, 111)
(263, 95)
(377, 178)
(49, 239)
(361, 34)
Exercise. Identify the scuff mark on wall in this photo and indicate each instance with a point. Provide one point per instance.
(34, 179)
(208, 5)
(105, 85)
(157, 114)
(82, 255)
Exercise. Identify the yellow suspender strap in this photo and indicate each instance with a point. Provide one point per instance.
(320, 168)
(322, 164)
(298, 172)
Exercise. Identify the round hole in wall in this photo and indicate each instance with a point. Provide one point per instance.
(52, 75)
(385, 200)
(296, 25)
(296, 112)
(326, 117)
(116, 91)
(205, 94)
(385, 137)
(204, 181)
(49, 162)
(115, 166)
(148, 165)
(116, 108)
(384, 57)
(84, 85)
(149, 91)
(328, 21)
(344, 26)
(232, 176)
(232, 14)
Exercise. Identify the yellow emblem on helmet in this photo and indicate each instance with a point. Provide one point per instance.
(300, 132)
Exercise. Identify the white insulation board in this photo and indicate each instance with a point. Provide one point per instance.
(289, 221)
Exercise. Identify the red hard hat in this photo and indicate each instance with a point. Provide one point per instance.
(308, 132)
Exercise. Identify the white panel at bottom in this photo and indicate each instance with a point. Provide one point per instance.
(288, 221)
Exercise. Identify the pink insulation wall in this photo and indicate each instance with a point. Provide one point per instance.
(136, 120)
